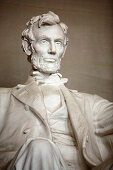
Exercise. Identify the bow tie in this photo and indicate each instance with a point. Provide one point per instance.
(52, 79)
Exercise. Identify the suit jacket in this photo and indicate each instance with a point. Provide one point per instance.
(23, 116)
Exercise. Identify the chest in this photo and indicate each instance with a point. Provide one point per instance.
(51, 97)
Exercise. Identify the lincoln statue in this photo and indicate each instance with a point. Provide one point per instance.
(43, 124)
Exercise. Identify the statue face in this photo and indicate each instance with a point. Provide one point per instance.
(48, 48)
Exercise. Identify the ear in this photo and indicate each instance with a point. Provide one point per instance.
(26, 47)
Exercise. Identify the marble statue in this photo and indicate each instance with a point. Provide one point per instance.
(43, 124)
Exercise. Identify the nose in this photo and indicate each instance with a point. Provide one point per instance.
(52, 48)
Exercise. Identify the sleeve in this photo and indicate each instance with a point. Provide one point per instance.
(98, 146)
(103, 116)
(107, 165)
(103, 126)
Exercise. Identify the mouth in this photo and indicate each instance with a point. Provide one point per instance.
(50, 60)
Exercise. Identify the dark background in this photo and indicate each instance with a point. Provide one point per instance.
(88, 62)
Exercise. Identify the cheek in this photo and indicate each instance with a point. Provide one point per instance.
(39, 49)
(60, 52)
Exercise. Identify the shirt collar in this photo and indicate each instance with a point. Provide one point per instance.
(45, 79)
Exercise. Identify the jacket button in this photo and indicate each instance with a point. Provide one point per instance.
(26, 107)
(26, 131)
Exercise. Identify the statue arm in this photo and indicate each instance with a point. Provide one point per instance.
(103, 120)
(103, 125)
(99, 144)
(107, 165)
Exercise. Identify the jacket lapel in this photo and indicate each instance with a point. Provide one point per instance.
(78, 121)
(80, 125)
(31, 95)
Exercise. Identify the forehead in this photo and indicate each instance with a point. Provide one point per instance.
(52, 32)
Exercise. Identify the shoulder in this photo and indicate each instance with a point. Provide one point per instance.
(4, 97)
(4, 90)
(4, 93)
(82, 96)
(96, 98)
(93, 100)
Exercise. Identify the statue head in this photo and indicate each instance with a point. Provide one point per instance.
(44, 41)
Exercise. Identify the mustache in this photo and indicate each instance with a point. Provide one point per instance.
(49, 59)
(47, 64)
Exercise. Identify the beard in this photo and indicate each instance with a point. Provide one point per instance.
(40, 64)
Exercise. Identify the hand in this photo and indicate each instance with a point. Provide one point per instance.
(107, 165)
(104, 123)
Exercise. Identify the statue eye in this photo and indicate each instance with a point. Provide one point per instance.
(44, 42)
(58, 42)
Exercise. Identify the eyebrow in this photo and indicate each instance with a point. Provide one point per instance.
(46, 37)
(43, 37)
(59, 39)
